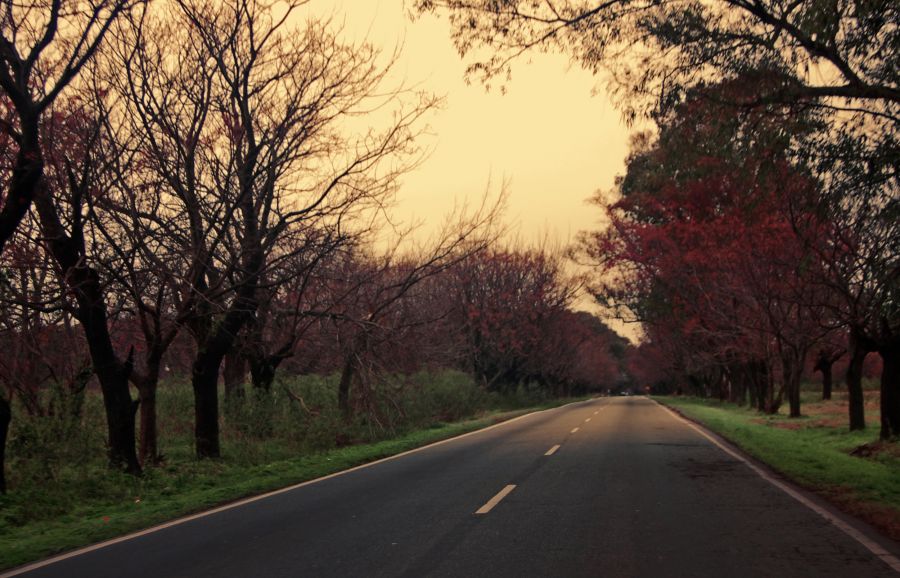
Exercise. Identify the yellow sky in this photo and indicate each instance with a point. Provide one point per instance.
(548, 137)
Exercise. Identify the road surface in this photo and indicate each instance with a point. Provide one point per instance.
(615, 487)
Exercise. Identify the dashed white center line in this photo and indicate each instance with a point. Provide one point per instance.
(496, 499)
(587, 420)
(574, 430)
(596, 412)
(552, 450)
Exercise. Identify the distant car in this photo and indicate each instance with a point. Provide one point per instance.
(624, 393)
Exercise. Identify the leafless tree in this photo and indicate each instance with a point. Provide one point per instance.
(248, 132)
(44, 44)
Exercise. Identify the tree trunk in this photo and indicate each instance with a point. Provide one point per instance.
(262, 372)
(149, 437)
(26, 176)
(792, 368)
(770, 402)
(211, 351)
(233, 373)
(84, 282)
(890, 390)
(344, 386)
(205, 380)
(757, 371)
(212, 347)
(113, 376)
(264, 366)
(857, 407)
(120, 414)
(747, 377)
(5, 418)
(824, 364)
(148, 385)
(738, 389)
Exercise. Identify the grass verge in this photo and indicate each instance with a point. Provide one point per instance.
(814, 453)
(177, 490)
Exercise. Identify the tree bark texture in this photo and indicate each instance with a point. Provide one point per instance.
(826, 368)
(262, 373)
(793, 366)
(857, 409)
(5, 419)
(233, 374)
(206, 404)
(890, 390)
(344, 386)
(825, 364)
(84, 282)
(149, 436)
(25, 179)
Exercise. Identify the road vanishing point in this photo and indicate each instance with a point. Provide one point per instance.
(609, 487)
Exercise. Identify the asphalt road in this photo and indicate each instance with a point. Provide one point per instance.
(629, 491)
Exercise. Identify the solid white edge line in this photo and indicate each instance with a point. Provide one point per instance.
(843, 526)
(245, 501)
(489, 505)
(552, 450)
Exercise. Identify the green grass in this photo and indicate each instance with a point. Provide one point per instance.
(63, 496)
(813, 451)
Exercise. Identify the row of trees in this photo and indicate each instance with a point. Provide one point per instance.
(195, 163)
(501, 315)
(206, 185)
(759, 224)
(729, 255)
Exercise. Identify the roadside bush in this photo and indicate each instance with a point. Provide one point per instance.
(444, 396)
(43, 447)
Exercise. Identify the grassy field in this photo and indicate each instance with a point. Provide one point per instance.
(63, 496)
(817, 451)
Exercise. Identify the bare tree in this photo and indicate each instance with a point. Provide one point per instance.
(385, 295)
(247, 129)
(44, 44)
(63, 202)
(45, 365)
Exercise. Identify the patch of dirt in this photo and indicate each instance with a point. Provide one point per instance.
(884, 518)
(826, 408)
(832, 422)
(790, 425)
(875, 449)
(838, 405)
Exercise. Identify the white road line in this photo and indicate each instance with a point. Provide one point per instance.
(596, 412)
(574, 430)
(495, 500)
(239, 503)
(552, 450)
(841, 525)
(587, 420)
